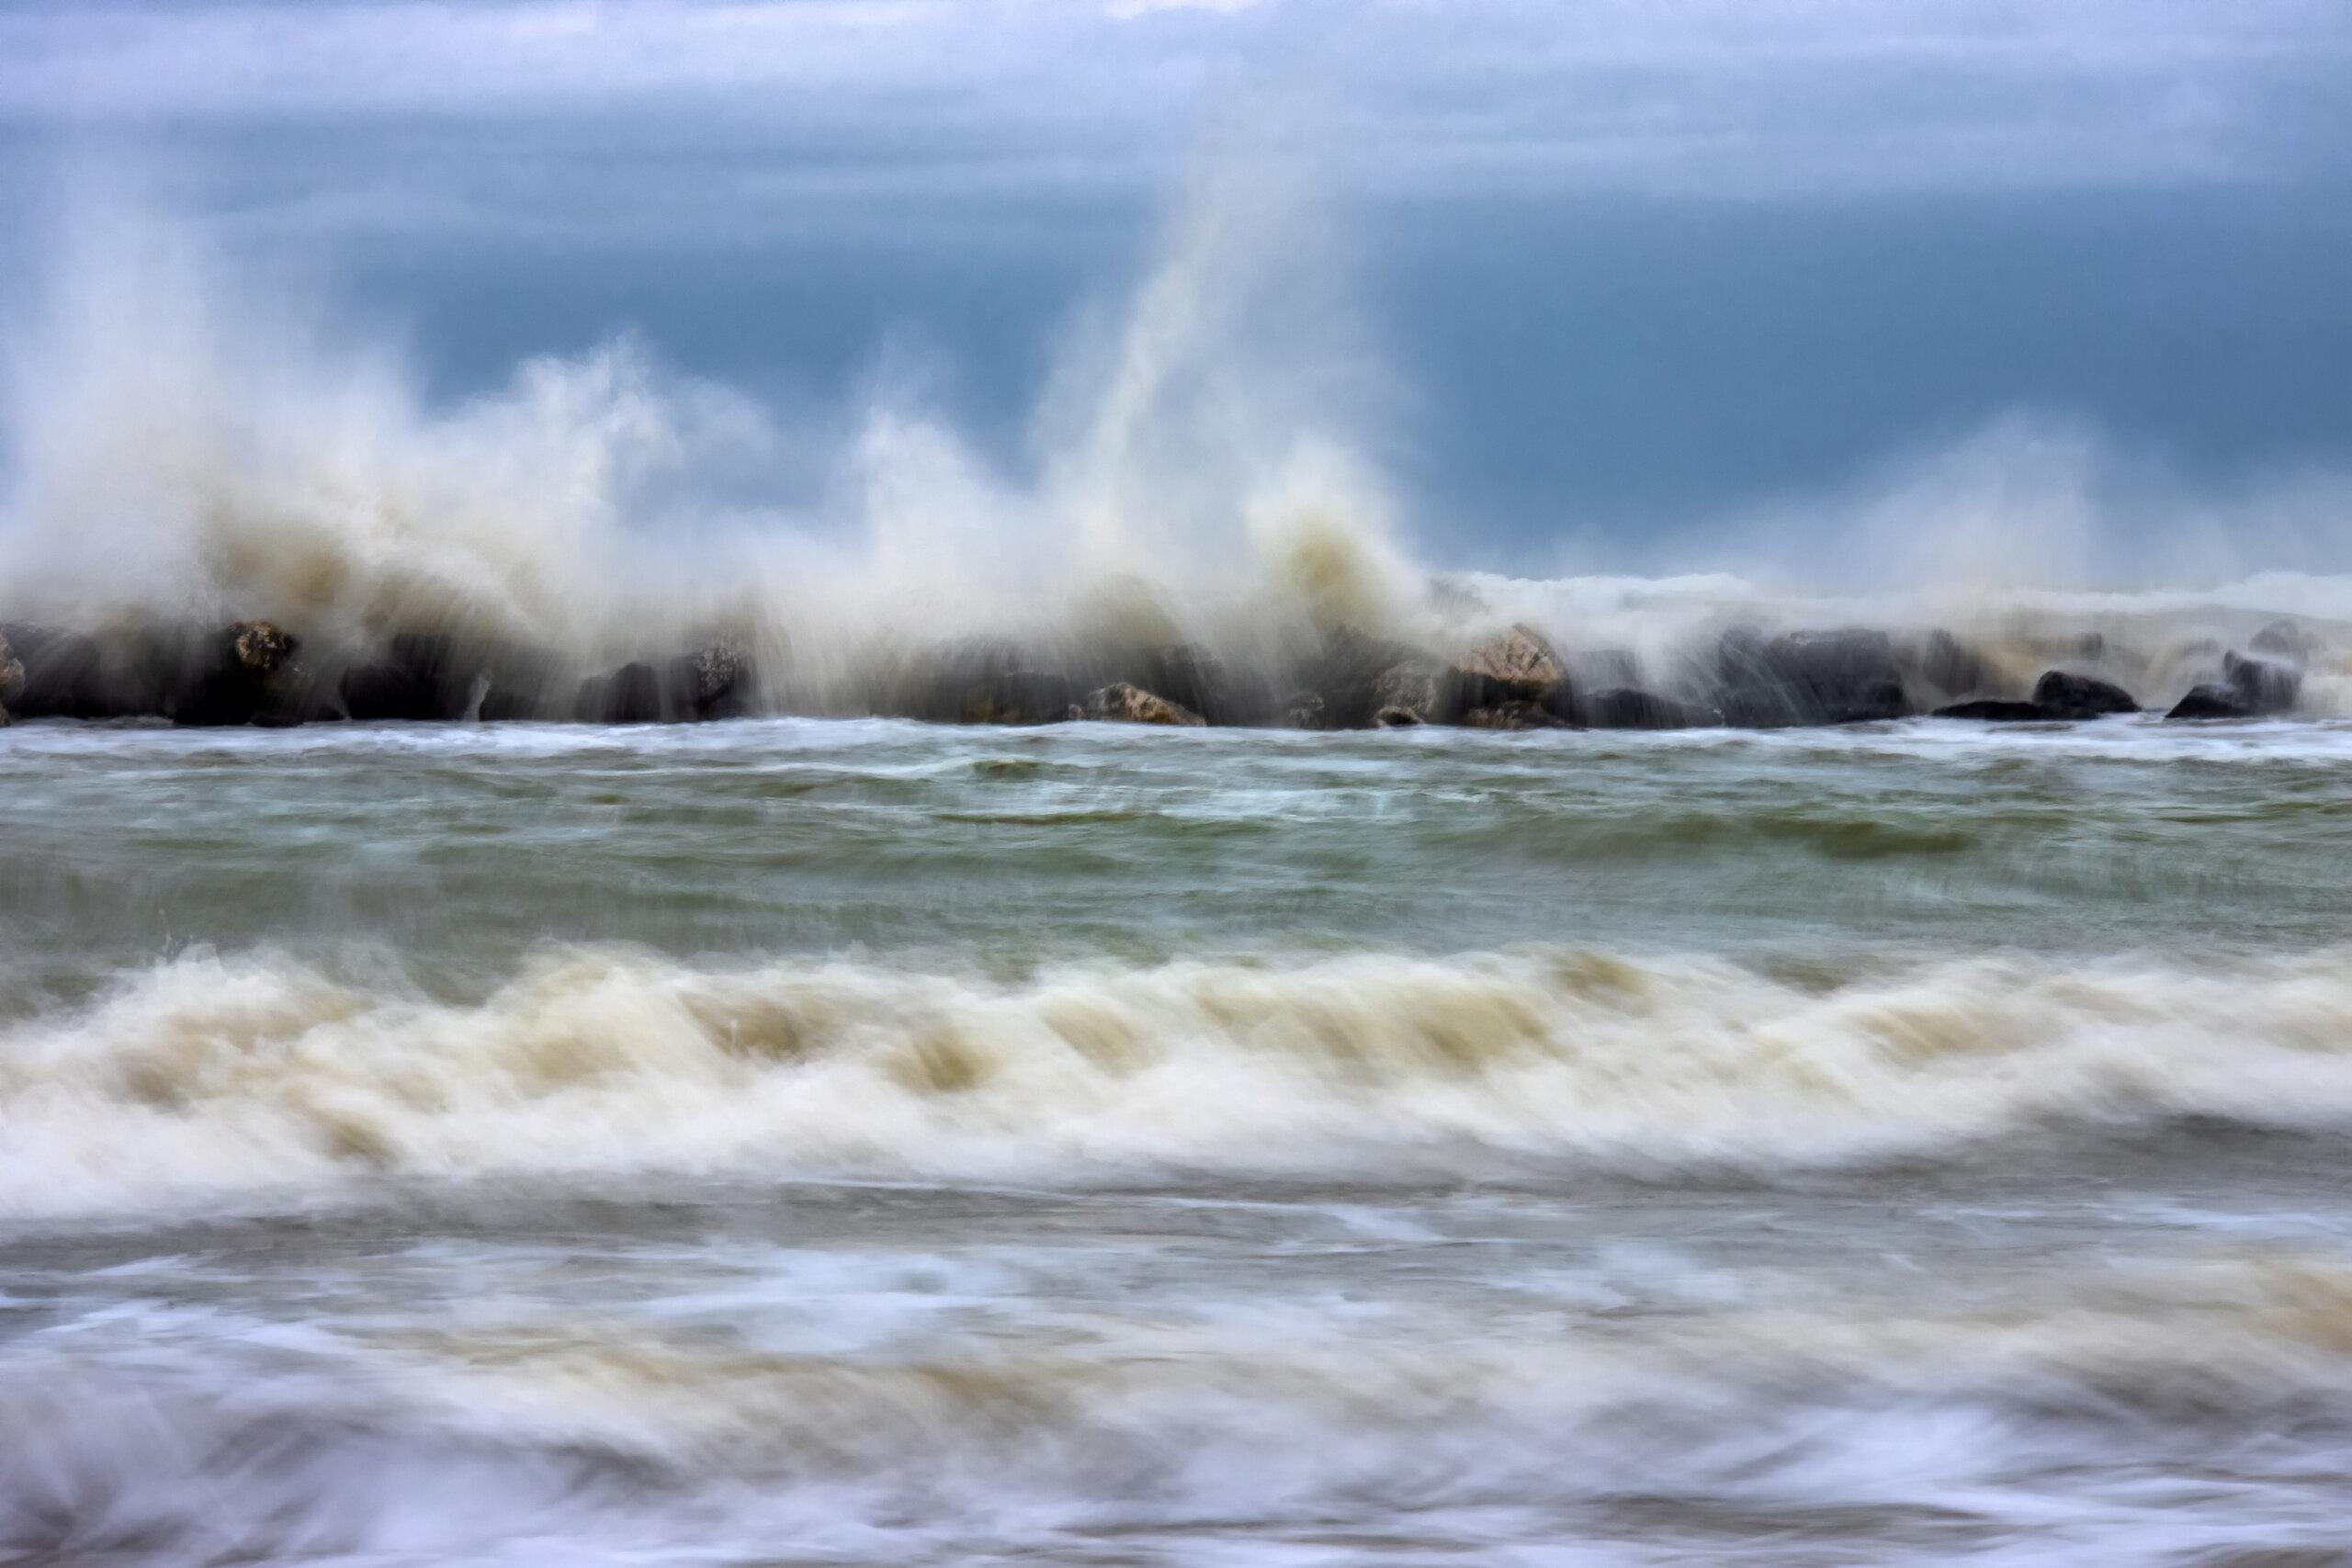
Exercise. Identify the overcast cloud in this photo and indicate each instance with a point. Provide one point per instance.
(1637, 260)
(733, 106)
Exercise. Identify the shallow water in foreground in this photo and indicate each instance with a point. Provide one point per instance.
(792, 1141)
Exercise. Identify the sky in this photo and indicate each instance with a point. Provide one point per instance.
(1626, 268)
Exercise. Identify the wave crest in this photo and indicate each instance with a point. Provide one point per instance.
(212, 1074)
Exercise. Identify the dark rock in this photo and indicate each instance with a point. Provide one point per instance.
(1190, 676)
(1397, 719)
(631, 694)
(2088, 647)
(1120, 703)
(720, 680)
(1950, 666)
(246, 674)
(1303, 710)
(418, 680)
(1995, 711)
(1627, 707)
(61, 676)
(2264, 685)
(2080, 696)
(12, 674)
(1418, 686)
(372, 691)
(1521, 715)
(1354, 677)
(1603, 669)
(2288, 640)
(2213, 702)
(982, 681)
(1018, 696)
(446, 677)
(1803, 678)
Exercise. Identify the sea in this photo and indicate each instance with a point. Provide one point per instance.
(793, 1141)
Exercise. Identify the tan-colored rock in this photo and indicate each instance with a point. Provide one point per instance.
(12, 674)
(1516, 663)
(259, 650)
(1120, 703)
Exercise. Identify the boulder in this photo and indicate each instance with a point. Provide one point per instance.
(1191, 677)
(59, 673)
(631, 694)
(2288, 640)
(422, 677)
(1354, 677)
(1516, 665)
(1627, 707)
(246, 674)
(1397, 719)
(2211, 702)
(720, 680)
(2080, 696)
(1018, 696)
(2265, 685)
(1520, 715)
(1416, 687)
(983, 680)
(12, 674)
(1806, 678)
(1303, 710)
(1603, 669)
(1120, 703)
(1950, 667)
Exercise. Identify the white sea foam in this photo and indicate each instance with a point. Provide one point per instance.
(258, 1074)
(186, 441)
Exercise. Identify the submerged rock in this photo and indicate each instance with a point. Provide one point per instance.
(1120, 703)
(1397, 719)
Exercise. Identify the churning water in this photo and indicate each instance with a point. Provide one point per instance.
(806, 1141)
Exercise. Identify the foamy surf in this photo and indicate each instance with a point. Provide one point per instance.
(258, 1074)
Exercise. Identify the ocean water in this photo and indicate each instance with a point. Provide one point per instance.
(857, 1141)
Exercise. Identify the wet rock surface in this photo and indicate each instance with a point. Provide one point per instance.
(1627, 707)
(1121, 702)
(1848, 676)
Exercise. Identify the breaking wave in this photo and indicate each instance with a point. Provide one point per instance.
(184, 443)
(253, 1074)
